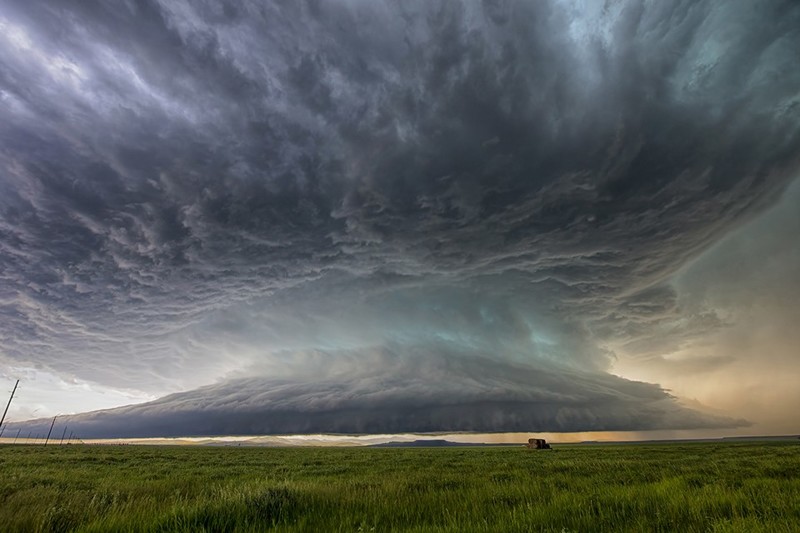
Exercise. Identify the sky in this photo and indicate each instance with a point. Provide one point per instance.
(376, 217)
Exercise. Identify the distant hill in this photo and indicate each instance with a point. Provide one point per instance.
(432, 443)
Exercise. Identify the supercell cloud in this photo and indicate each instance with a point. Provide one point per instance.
(368, 216)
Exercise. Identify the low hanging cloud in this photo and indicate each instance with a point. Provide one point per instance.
(195, 190)
(404, 391)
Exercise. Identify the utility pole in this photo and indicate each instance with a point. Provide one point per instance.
(15, 438)
(62, 436)
(51, 430)
(7, 406)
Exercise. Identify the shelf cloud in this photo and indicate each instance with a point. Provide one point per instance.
(429, 391)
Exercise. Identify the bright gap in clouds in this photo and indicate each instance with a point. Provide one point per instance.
(744, 293)
(41, 394)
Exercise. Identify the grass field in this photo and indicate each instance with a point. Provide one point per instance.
(671, 487)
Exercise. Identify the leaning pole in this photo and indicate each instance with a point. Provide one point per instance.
(51, 430)
(8, 404)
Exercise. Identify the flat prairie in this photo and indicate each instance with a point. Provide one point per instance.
(635, 487)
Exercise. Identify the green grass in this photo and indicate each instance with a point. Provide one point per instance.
(673, 487)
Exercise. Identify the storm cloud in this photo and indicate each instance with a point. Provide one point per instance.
(261, 196)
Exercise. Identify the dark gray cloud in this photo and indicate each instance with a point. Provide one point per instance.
(189, 190)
